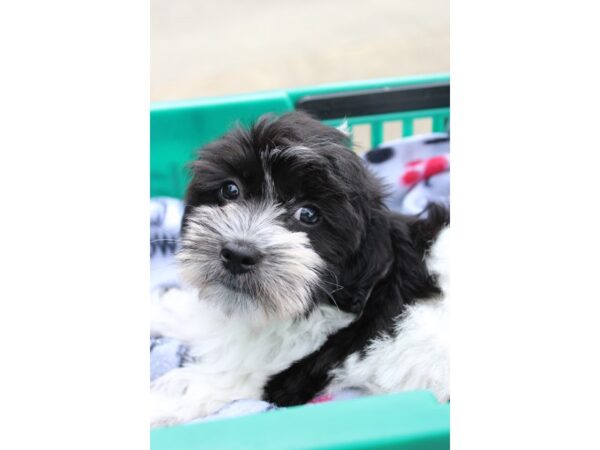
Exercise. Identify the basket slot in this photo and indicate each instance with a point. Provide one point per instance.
(392, 130)
(422, 125)
(362, 137)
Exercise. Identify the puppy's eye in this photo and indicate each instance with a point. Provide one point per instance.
(230, 191)
(307, 214)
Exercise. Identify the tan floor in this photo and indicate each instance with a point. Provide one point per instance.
(216, 47)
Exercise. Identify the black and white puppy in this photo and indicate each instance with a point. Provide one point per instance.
(301, 280)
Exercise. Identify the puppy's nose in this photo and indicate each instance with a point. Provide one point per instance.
(240, 257)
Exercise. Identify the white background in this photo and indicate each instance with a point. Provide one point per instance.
(74, 183)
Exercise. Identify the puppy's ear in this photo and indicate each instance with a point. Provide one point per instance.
(425, 227)
(366, 266)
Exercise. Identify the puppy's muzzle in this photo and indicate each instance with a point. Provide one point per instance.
(240, 257)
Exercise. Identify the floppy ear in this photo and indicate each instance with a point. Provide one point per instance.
(368, 265)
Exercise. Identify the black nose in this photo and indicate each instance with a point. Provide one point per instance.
(240, 257)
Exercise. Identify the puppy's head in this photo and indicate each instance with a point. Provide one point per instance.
(280, 217)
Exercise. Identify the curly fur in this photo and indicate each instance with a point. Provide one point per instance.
(358, 299)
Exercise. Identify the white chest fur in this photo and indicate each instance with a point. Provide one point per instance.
(234, 359)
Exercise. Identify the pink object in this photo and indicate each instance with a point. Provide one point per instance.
(322, 398)
(435, 165)
(411, 177)
(414, 162)
(421, 169)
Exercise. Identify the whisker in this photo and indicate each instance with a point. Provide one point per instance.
(337, 283)
(329, 295)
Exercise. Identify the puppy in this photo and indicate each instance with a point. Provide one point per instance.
(300, 280)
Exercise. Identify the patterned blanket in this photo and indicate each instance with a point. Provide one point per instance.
(416, 172)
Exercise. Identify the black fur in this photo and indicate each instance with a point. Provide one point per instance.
(375, 258)
(406, 281)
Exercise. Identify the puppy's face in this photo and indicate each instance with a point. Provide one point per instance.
(274, 214)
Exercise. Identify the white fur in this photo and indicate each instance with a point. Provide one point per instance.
(232, 357)
(344, 127)
(418, 357)
(283, 283)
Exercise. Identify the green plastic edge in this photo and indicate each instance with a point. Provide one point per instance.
(179, 128)
(408, 421)
(295, 94)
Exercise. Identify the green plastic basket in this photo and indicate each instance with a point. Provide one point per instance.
(179, 129)
(412, 420)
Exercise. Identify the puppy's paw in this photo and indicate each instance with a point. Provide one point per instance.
(162, 411)
(166, 411)
(296, 385)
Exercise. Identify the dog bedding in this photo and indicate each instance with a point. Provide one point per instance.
(416, 171)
